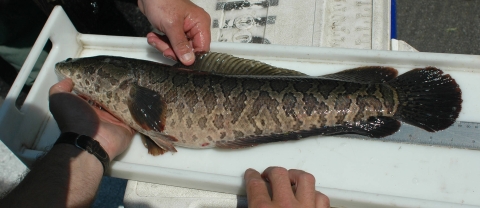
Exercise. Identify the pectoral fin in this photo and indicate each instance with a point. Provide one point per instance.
(147, 108)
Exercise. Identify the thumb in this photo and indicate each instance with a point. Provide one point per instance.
(181, 45)
(65, 85)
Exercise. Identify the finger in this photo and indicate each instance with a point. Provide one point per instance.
(65, 85)
(140, 6)
(280, 182)
(180, 44)
(321, 200)
(161, 43)
(79, 120)
(198, 30)
(158, 41)
(304, 185)
(201, 41)
(109, 118)
(257, 192)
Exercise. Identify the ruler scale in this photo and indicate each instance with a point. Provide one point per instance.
(461, 135)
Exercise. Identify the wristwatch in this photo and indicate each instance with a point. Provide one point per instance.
(85, 143)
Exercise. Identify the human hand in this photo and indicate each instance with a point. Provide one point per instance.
(289, 188)
(186, 25)
(73, 114)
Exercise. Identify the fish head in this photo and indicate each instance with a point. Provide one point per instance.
(94, 76)
(63, 69)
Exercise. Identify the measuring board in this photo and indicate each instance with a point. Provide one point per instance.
(461, 135)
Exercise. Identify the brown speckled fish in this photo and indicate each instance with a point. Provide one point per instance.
(227, 102)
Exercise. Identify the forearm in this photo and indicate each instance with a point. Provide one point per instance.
(68, 176)
(65, 177)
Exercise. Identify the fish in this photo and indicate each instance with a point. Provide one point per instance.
(227, 102)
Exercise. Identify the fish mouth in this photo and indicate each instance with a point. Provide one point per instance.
(59, 74)
(59, 66)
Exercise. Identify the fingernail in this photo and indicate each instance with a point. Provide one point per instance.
(152, 44)
(187, 57)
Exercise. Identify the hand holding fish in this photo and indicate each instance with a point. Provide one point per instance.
(186, 25)
(73, 114)
(289, 188)
(75, 173)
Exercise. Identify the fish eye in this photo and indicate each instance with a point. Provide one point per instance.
(68, 59)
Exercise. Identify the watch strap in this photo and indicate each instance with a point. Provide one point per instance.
(85, 143)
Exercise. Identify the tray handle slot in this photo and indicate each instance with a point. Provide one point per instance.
(21, 127)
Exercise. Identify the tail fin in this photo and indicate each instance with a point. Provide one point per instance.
(428, 99)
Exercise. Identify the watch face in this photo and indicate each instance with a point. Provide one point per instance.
(82, 141)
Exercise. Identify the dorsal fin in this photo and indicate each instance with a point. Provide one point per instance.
(364, 75)
(225, 64)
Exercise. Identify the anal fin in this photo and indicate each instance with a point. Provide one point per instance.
(375, 127)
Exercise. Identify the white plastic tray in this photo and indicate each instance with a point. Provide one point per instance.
(351, 172)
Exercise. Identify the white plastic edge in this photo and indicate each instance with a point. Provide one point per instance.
(10, 116)
(227, 184)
